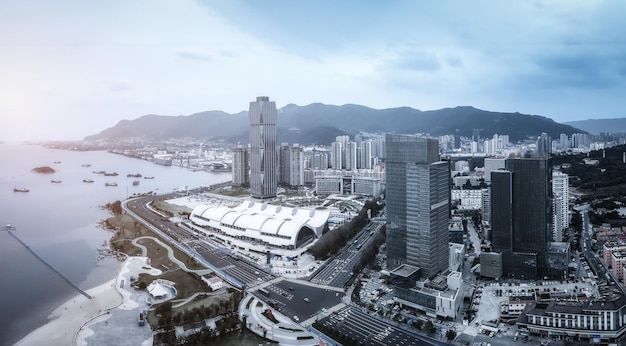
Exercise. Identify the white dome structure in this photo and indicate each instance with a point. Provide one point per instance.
(270, 224)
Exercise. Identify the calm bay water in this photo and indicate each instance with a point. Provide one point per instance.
(60, 222)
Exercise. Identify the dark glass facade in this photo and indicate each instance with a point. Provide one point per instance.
(418, 204)
(522, 215)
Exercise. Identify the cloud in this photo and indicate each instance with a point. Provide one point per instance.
(188, 55)
(117, 86)
(417, 60)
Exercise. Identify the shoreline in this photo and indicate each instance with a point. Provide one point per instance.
(67, 320)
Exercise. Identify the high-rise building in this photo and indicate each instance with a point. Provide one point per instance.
(241, 173)
(296, 166)
(283, 166)
(263, 155)
(544, 145)
(563, 142)
(492, 164)
(521, 215)
(365, 155)
(336, 155)
(418, 204)
(560, 190)
(350, 155)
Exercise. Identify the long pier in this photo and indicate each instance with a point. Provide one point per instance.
(8, 229)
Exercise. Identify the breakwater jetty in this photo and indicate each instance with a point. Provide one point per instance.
(10, 228)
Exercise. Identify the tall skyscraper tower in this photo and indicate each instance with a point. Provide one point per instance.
(283, 164)
(560, 190)
(418, 204)
(240, 167)
(263, 160)
(521, 215)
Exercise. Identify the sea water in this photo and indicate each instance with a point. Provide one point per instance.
(60, 221)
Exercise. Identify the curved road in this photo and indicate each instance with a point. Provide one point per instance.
(238, 273)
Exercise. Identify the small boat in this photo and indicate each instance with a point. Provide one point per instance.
(85, 165)
(21, 190)
(114, 174)
(99, 172)
(134, 175)
(110, 184)
(87, 181)
(55, 181)
(57, 162)
(136, 182)
(148, 177)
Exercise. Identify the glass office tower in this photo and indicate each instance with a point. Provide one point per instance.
(418, 204)
(521, 215)
(263, 160)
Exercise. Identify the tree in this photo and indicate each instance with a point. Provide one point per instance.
(429, 327)
(450, 334)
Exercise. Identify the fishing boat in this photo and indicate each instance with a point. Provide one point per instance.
(134, 175)
(113, 174)
(99, 172)
(55, 181)
(148, 177)
(87, 181)
(110, 184)
(21, 190)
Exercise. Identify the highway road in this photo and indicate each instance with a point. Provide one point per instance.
(338, 271)
(238, 272)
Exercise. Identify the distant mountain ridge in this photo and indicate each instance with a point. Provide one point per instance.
(319, 124)
(597, 126)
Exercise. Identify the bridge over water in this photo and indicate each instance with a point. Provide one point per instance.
(10, 228)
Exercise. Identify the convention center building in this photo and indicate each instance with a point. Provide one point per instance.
(255, 222)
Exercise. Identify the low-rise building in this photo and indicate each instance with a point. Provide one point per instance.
(594, 320)
(213, 281)
(440, 297)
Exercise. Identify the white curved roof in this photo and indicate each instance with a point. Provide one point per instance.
(271, 226)
(289, 228)
(230, 218)
(256, 218)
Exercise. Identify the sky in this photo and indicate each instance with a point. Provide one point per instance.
(69, 69)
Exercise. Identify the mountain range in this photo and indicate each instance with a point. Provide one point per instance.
(319, 124)
(598, 126)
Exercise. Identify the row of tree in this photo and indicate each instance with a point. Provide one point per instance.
(331, 242)
(369, 253)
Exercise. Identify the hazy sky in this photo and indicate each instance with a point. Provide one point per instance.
(69, 69)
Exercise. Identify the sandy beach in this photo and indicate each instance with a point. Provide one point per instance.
(66, 320)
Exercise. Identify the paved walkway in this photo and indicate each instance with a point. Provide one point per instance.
(119, 326)
(170, 255)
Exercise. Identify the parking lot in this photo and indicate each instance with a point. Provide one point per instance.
(352, 322)
(288, 297)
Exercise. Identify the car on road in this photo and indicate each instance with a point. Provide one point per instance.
(307, 300)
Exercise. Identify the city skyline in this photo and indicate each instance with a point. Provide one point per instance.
(70, 70)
